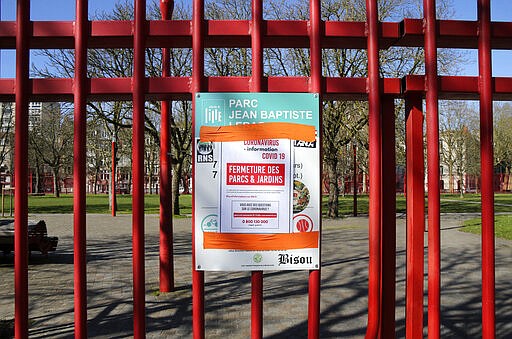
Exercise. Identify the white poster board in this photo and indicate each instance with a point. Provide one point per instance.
(256, 201)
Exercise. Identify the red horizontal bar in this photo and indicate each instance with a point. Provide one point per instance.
(502, 88)
(106, 89)
(285, 34)
(235, 33)
(7, 90)
(281, 28)
(58, 89)
(228, 84)
(169, 28)
(352, 34)
(228, 27)
(455, 34)
(7, 30)
(501, 35)
(177, 33)
(161, 87)
(450, 87)
(111, 34)
(288, 84)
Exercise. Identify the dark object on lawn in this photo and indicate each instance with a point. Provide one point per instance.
(38, 239)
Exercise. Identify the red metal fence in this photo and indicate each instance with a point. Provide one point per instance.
(257, 34)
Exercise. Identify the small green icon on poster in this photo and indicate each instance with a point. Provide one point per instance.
(257, 258)
(209, 223)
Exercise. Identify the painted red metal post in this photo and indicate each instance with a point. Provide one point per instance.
(113, 179)
(388, 241)
(355, 184)
(434, 189)
(197, 85)
(138, 86)
(256, 86)
(256, 304)
(166, 226)
(315, 34)
(415, 216)
(486, 169)
(21, 170)
(375, 167)
(79, 169)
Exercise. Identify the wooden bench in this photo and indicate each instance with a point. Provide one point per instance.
(38, 239)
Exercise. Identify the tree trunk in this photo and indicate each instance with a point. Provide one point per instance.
(130, 188)
(36, 185)
(334, 192)
(506, 180)
(95, 187)
(56, 188)
(450, 182)
(462, 184)
(185, 184)
(176, 177)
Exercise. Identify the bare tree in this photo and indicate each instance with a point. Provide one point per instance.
(117, 63)
(503, 143)
(455, 127)
(346, 122)
(6, 133)
(51, 140)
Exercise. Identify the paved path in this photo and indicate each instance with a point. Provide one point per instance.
(344, 285)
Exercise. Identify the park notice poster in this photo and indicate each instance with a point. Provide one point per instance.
(256, 181)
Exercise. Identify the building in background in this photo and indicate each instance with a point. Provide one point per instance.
(7, 121)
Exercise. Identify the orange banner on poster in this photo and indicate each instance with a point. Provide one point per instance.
(260, 242)
(267, 130)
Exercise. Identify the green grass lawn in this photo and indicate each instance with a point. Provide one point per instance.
(470, 203)
(99, 204)
(450, 203)
(502, 226)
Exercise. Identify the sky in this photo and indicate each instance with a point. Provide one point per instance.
(501, 10)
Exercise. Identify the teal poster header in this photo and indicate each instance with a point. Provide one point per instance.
(221, 109)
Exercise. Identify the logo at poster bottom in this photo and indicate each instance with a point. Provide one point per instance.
(257, 258)
(290, 259)
(210, 224)
(302, 223)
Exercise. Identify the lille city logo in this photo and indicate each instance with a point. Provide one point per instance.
(213, 110)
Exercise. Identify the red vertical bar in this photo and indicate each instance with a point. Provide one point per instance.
(434, 189)
(355, 184)
(315, 47)
(166, 227)
(79, 169)
(21, 170)
(257, 49)
(113, 179)
(197, 86)
(256, 304)
(486, 163)
(375, 137)
(415, 216)
(256, 86)
(139, 317)
(388, 241)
